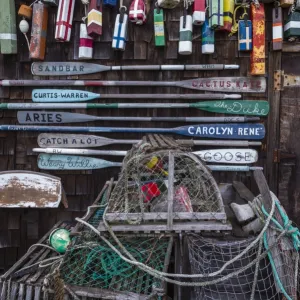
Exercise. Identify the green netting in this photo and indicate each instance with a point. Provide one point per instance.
(94, 264)
(98, 214)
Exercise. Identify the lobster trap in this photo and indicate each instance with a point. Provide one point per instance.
(165, 190)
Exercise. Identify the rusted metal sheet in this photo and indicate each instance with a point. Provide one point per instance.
(29, 189)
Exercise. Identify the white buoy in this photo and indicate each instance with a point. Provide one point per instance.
(24, 26)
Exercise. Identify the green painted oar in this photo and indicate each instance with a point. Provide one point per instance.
(238, 107)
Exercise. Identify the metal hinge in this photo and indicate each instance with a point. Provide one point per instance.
(278, 155)
(282, 80)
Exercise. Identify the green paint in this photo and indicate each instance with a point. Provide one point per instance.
(3, 105)
(185, 35)
(99, 105)
(8, 27)
(237, 107)
(159, 30)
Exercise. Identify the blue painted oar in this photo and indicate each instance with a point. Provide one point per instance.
(74, 162)
(64, 96)
(243, 131)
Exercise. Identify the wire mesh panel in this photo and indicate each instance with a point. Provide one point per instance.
(92, 263)
(152, 187)
(209, 255)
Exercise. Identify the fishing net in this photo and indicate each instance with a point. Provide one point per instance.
(90, 262)
(160, 184)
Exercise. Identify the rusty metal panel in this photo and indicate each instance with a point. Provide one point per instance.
(29, 189)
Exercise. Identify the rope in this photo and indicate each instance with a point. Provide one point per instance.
(59, 289)
(85, 2)
(235, 26)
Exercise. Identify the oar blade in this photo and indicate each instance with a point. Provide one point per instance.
(48, 117)
(72, 162)
(226, 84)
(237, 107)
(228, 156)
(66, 68)
(52, 140)
(56, 95)
(244, 131)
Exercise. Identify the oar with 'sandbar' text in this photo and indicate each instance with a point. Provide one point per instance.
(57, 95)
(80, 68)
(243, 131)
(234, 107)
(216, 84)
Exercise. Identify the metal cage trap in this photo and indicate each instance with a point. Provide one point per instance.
(165, 190)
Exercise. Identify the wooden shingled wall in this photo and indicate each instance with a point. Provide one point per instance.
(19, 228)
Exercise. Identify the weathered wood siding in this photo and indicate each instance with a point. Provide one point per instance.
(19, 228)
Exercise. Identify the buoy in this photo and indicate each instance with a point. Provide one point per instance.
(24, 26)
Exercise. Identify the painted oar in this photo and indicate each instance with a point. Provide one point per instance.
(80, 68)
(72, 162)
(56, 95)
(45, 117)
(243, 131)
(227, 156)
(82, 141)
(235, 107)
(216, 84)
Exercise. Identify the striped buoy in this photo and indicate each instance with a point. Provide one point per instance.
(185, 35)
(64, 20)
(277, 29)
(85, 43)
(228, 14)
(120, 30)
(208, 39)
(216, 19)
(37, 48)
(199, 12)
(94, 24)
(159, 29)
(137, 12)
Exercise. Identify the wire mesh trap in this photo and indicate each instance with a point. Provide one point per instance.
(92, 263)
(166, 186)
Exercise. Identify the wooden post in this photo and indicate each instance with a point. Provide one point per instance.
(170, 190)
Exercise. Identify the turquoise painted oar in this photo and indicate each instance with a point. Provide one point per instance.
(235, 107)
(63, 96)
(74, 162)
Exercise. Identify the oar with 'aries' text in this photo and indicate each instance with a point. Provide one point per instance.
(216, 84)
(45, 117)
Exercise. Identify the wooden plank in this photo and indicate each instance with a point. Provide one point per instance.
(243, 191)
(21, 261)
(273, 122)
(178, 226)
(170, 191)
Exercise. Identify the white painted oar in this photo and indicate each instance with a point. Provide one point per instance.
(64, 96)
(216, 84)
(66, 162)
(80, 68)
(61, 140)
(227, 156)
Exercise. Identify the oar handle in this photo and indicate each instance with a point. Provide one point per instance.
(175, 67)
